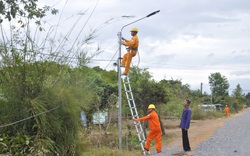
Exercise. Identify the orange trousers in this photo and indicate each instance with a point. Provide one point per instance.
(126, 60)
(157, 135)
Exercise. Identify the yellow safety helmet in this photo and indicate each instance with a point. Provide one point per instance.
(134, 29)
(151, 106)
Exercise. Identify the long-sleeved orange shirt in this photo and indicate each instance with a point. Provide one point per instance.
(133, 43)
(226, 109)
(153, 120)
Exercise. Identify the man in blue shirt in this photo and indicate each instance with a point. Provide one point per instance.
(184, 125)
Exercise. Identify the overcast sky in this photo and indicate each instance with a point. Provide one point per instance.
(187, 39)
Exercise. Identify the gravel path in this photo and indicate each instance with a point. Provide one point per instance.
(232, 139)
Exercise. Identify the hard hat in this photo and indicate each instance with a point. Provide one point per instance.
(134, 29)
(151, 106)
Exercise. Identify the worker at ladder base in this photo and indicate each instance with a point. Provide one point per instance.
(132, 48)
(155, 128)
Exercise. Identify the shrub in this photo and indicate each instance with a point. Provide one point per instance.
(15, 145)
(198, 114)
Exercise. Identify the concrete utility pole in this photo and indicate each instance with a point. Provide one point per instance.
(119, 79)
(211, 97)
(201, 87)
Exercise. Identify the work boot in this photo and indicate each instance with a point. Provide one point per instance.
(146, 150)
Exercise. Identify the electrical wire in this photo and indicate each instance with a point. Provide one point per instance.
(30, 117)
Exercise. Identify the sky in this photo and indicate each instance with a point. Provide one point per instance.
(187, 40)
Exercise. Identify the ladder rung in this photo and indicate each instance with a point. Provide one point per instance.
(140, 132)
(135, 116)
(137, 124)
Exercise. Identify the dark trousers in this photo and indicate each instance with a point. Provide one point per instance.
(185, 140)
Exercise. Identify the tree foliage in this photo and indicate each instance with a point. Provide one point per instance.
(248, 99)
(145, 89)
(11, 9)
(239, 98)
(219, 86)
(238, 92)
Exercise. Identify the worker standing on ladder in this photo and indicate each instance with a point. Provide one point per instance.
(155, 128)
(132, 49)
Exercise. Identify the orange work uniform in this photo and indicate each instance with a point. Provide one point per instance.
(133, 45)
(155, 130)
(227, 110)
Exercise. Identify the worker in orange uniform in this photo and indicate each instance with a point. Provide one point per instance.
(226, 110)
(155, 128)
(132, 48)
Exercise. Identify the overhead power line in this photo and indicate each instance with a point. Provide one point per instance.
(30, 117)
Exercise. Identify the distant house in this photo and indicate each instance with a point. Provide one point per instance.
(219, 107)
(211, 107)
(207, 107)
(100, 117)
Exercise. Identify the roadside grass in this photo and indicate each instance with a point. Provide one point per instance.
(105, 151)
(197, 114)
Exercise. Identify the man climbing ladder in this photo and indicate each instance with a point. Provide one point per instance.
(132, 49)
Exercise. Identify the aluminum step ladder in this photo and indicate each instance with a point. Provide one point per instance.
(134, 113)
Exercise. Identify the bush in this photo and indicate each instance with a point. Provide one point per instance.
(198, 114)
(215, 114)
(15, 145)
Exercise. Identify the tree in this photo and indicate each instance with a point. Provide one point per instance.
(239, 96)
(238, 92)
(175, 88)
(248, 99)
(219, 86)
(145, 89)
